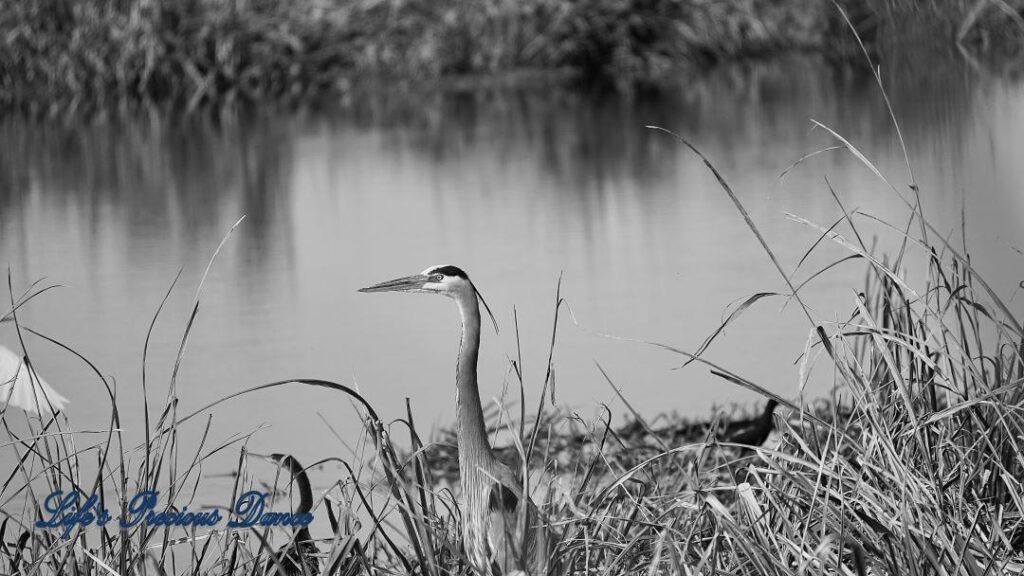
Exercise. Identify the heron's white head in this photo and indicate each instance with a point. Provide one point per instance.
(448, 280)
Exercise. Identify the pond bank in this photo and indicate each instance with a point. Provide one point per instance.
(162, 50)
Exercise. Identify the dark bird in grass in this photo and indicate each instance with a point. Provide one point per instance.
(502, 529)
(753, 432)
(298, 556)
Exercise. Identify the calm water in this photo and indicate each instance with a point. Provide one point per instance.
(516, 185)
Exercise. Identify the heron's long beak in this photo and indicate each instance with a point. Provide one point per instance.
(407, 284)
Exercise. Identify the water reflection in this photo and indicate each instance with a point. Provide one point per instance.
(161, 176)
(517, 184)
(152, 176)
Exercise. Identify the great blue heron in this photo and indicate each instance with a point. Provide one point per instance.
(22, 388)
(756, 431)
(502, 530)
(298, 556)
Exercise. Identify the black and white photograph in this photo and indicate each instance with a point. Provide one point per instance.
(512, 287)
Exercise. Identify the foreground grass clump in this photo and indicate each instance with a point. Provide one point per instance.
(924, 473)
(53, 51)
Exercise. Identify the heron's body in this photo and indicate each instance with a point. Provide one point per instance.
(502, 528)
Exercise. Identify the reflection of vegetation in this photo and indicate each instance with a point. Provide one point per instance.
(162, 175)
(165, 172)
(587, 138)
(192, 49)
(570, 150)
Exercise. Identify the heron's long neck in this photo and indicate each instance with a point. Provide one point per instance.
(472, 432)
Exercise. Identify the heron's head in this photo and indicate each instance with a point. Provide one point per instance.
(448, 280)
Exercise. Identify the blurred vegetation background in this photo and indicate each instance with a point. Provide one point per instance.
(54, 51)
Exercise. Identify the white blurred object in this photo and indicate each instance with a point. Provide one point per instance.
(20, 389)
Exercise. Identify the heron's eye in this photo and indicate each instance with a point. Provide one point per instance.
(437, 278)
